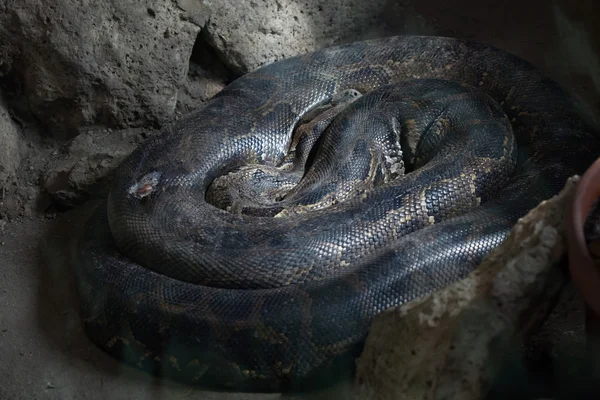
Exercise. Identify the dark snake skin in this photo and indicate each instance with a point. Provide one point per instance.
(175, 285)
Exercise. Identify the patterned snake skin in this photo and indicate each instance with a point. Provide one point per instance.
(431, 149)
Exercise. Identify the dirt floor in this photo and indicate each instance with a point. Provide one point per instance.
(44, 354)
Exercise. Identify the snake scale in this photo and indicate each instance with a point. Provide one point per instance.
(368, 174)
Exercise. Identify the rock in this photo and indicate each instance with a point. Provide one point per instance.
(206, 77)
(22, 156)
(123, 64)
(10, 152)
(251, 33)
(112, 62)
(10, 159)
(85, 169)
(453, 343)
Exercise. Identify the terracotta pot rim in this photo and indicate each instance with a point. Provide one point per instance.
(584, 273)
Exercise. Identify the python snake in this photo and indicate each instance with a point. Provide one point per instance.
(365, 175)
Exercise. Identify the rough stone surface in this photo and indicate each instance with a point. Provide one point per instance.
(452, 344)
(122, 64)
(22, 156)
(207, 75)
(84, 168)
(10, 149)
(114, 62)
(250, 33)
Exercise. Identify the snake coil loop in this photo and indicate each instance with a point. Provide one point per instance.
(344, 206)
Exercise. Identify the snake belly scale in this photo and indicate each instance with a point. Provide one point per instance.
(463, 140)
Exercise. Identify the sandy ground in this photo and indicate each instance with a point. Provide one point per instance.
(44, 354)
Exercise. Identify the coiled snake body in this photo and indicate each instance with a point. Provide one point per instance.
(367, 175)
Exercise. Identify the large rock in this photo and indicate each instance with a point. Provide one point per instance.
(250, 33)
(455, 343)
(125, 63)
(113, 62)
